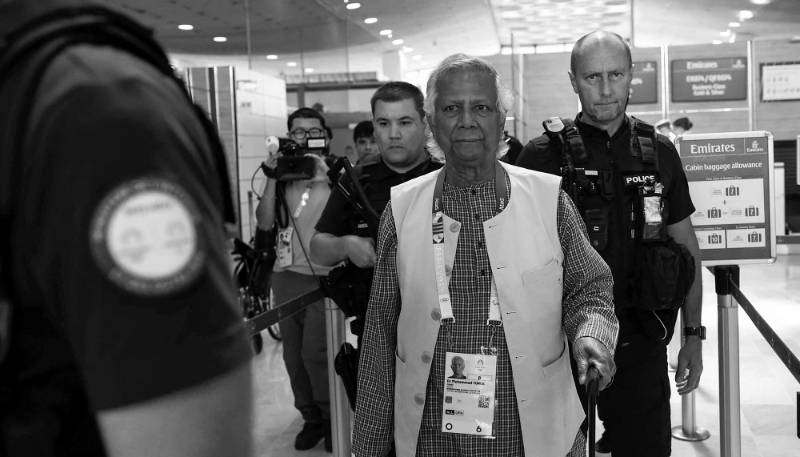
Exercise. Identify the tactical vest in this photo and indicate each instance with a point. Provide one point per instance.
(609, 190)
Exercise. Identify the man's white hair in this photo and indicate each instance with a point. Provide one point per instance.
(464, 63)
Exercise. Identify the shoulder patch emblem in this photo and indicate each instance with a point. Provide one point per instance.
(144, 237)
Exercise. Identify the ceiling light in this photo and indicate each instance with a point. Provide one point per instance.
(397, 42)
(745, 14)
(370, 20)
(726, 33)
(760, 2)
(291, 64)
(353, 6)
(417, 57)
(716, 42)
(186, 27)
(406, 49)
(386, 32)
(220, 39)
(272, 57)
(734, 24)
(309, 70)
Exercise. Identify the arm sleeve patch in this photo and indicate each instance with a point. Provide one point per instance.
(144, 236)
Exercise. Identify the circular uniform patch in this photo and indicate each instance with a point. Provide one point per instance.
(144, 236)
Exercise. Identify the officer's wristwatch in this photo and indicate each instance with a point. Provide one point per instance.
(697, 331)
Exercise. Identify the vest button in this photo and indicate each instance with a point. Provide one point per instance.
(426, 357)
(454, 227)
(447, 270)
(436, 314)
(419, 399)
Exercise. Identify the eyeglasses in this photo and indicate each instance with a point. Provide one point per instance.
(299, 134)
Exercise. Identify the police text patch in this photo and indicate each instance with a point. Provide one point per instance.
(144, 237)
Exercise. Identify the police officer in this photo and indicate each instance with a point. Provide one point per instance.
(125, 337)
(341, 233)
(613, 160)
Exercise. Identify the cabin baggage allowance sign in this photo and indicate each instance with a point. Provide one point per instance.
(731, 184)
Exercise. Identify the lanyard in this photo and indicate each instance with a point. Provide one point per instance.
(303, 200)
(445, 305)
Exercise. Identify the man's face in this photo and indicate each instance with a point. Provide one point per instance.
(457, 366)
(365, 146)
(602, 81)
(399, 131)
(303, 129)
(466, 123)
(664, 130)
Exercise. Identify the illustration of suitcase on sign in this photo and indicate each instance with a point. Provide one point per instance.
(732, 191)
(751, 211)
(714, 238)
(754, 237)
(714, 213)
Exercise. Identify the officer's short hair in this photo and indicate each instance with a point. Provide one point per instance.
(364, 129)
(397, 91)
(576, 50)
(305, 113)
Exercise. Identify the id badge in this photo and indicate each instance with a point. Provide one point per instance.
(469, 394)
(285, 247)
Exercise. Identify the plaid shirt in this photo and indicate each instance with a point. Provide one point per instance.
(587, 311)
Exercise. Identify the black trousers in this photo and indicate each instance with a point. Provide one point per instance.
(635, 409)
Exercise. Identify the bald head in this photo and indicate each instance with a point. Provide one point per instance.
(598, 39)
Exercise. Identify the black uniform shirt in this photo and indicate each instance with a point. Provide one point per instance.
(120, 267)
(340, 218)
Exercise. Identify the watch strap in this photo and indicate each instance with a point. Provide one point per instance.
(696, 331)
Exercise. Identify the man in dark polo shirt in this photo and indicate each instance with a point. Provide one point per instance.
(399, 120)
(126, 337)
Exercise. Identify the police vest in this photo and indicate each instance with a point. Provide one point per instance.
(616, 194)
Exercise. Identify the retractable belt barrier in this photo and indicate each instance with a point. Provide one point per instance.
(271, 317)
(728, 296)
(783, 239)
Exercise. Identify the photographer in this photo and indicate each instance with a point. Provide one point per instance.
(295, 206)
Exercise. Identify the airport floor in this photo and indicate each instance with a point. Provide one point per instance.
(768, 390)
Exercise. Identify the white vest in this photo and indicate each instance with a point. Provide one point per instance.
(526, 260)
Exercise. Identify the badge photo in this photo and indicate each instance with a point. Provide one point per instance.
(144, 237)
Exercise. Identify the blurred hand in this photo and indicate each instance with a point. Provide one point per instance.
(272, 161)
(590, 351)
(690, 359)
(361, 251)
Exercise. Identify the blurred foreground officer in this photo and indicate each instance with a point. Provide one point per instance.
(125, 338)
(295, 206)
(342, 233)
(629, 185)
(493, 267)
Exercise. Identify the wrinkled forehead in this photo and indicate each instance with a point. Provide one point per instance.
(602, 54)
(466, 85)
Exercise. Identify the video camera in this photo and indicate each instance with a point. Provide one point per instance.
(293, 164)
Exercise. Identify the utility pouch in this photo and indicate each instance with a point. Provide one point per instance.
(664, 275)
(348, 286)
(654, 217)
(597, 225)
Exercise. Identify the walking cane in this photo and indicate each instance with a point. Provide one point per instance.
(592, 389)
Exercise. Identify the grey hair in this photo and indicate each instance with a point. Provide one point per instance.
(462, 63)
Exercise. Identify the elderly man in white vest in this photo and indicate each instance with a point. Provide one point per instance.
(489, 263)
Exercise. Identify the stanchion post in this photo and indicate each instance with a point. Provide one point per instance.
(688, 430)
(340, 407)
(729, 408)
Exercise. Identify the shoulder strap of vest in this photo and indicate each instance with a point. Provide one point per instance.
(644, 141)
